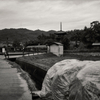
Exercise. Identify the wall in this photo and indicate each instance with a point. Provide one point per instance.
(61, 50)
(56, 49)
(36, 72)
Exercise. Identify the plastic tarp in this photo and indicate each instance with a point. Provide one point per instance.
(89, 77)
(79, 82)
(51, 73)
(72, 79)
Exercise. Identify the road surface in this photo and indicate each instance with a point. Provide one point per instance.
(12, 85)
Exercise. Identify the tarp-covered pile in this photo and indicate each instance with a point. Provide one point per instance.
(72, 79)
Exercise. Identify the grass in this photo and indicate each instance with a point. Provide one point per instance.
(49, 59)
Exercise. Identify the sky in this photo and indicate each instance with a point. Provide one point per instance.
(47, 14)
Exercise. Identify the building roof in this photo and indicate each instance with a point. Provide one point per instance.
(36, 46)
(57, 43)
(95, 43)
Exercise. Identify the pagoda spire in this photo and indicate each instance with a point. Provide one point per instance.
(60, 26)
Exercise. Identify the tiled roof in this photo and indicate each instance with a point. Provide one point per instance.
(60, 32)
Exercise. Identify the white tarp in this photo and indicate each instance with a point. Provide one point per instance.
(61, 80)
(89, 77)
(47, 83)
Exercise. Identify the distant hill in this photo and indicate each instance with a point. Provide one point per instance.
(21, 34)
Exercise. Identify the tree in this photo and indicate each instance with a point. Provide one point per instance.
(49, 41)
(16, 44)
(95, 26)
(88, 38)
(91, 34)
(65, 42)
(41, 38)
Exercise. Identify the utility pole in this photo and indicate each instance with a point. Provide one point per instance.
(7, 48)
(23, 50)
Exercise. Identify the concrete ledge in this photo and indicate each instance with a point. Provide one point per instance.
(36, 71)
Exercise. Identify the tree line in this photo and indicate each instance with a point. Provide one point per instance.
(81, 39)
(74, 39)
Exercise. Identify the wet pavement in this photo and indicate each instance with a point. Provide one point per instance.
(12, 85)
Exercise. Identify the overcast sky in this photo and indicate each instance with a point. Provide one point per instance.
(47, 14)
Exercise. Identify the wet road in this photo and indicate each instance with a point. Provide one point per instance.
(12, 86)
